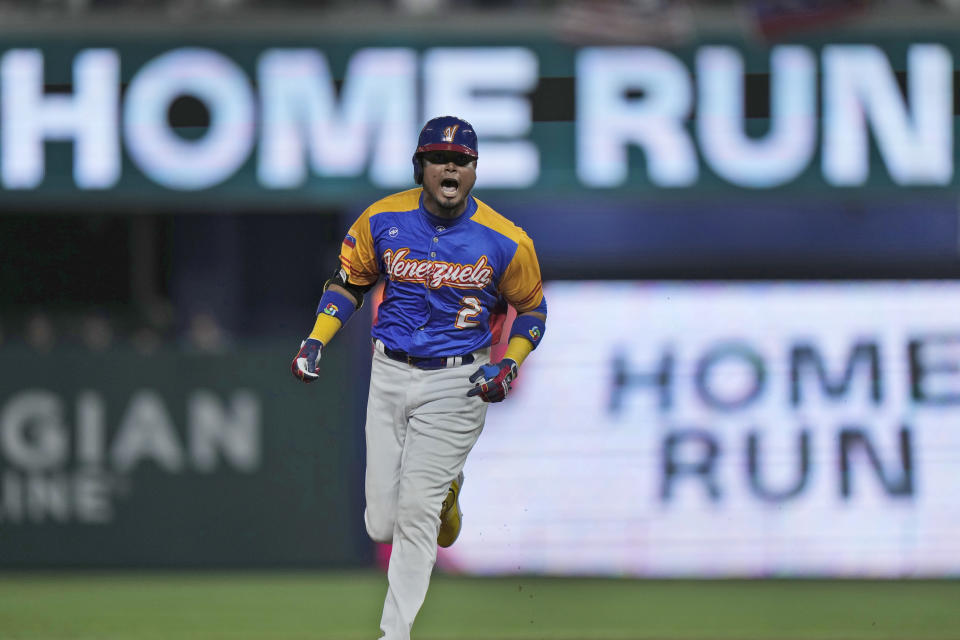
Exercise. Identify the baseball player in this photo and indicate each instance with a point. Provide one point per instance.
(450, 264)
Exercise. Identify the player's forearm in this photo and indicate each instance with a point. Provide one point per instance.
(335, 307)
(518, 349)
(325, 328)
(520, 345)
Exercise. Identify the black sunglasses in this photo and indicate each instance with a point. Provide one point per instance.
(443, 157)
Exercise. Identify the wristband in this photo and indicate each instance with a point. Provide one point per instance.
(530, 327)
(336, 305)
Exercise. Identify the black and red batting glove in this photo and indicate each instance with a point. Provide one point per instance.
(494, 380)
(304, 365)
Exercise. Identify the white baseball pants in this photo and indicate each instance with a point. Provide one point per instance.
(420, 427)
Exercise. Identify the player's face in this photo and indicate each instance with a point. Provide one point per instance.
(448, 177)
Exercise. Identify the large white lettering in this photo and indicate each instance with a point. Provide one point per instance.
(32, 432)
(88, 118)
(609, 120)
(42, 482)
(632, 103)
(375, 119)
(787, 149)
(233, 431)
(91, 429)
(170, 159)
(147, 433)
(859, 88)
(485, 87)
(58, 497)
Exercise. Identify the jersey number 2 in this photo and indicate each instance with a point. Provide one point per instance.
(471, 309)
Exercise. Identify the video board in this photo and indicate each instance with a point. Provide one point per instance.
(726, 429)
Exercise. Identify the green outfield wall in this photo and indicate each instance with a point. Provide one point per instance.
(178, 459)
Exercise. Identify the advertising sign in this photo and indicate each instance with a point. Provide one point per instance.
(177, 460)
(327, 120)
(726, 429)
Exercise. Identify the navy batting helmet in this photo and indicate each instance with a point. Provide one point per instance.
(446, 133)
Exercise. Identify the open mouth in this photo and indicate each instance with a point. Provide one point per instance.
(449, 187)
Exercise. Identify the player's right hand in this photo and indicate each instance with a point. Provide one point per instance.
(304, 366)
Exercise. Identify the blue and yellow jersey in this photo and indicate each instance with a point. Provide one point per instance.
(447, 282)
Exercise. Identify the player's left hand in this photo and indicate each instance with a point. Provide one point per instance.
(493, 380)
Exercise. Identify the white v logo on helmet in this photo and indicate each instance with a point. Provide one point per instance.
(449, 132)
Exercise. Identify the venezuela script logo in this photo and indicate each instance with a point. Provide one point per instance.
(436, 274)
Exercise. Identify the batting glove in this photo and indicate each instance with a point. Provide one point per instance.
(304, 366)
(494, 380)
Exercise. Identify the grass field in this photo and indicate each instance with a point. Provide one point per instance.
(346, 606)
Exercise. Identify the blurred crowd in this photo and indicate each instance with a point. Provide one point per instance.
(279, 5)
(45, 330)
(96, 330)
(150, 280)
(578, 21)
(419, 6)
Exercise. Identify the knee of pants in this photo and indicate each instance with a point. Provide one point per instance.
(379, 525)
(416, 512)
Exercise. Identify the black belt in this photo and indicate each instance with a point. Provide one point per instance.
(435, 362)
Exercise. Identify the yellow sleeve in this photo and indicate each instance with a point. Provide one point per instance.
(518, 349)
(325, 328)
(521, 284)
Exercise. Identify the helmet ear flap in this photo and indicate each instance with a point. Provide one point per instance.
(417, 169)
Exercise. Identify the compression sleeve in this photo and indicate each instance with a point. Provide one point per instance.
(325, 328)
(518, 349)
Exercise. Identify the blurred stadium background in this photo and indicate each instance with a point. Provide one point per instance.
(745, 422)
